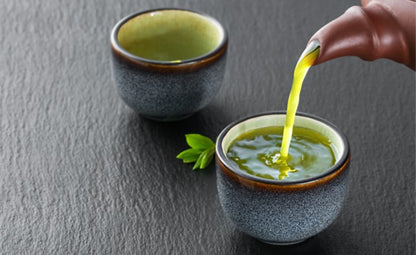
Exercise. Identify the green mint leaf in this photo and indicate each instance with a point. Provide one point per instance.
(207, 158)
(201, 152)
(189, 155)
(198, 162)
(204, 159)
(199, 142)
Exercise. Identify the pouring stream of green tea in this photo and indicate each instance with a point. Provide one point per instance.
(305, 61)
(257, 152)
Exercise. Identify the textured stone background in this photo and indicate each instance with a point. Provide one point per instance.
(80, 173)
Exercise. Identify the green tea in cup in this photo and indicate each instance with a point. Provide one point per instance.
(277, 210)
(168, 63)
(257, 152)
(170, 35)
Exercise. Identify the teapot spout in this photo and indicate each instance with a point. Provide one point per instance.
(380, 29)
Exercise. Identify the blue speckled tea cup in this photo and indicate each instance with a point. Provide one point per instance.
(281, 212)
(168, 89)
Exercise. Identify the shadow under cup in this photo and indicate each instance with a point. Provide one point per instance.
(282, 212)
(168, 63)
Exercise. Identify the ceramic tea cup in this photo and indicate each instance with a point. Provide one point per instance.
(168, 63)
(277, 211)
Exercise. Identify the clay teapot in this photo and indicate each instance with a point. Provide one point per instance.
(378, 29)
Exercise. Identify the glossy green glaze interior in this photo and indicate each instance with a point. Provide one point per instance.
(170, 35)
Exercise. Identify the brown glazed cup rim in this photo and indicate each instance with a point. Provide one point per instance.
(340, 164)
(117, 47)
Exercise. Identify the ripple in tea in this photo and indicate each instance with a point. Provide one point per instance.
(257, 152)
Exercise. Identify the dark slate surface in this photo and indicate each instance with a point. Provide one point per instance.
(80, 173)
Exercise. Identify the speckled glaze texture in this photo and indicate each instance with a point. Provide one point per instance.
(281, 217)
(281, 212)
(167, 95)
(163, 90)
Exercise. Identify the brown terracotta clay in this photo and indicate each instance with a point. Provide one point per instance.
(379, 29)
